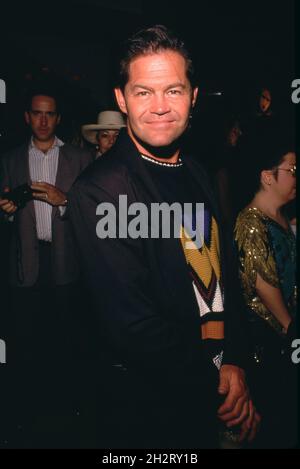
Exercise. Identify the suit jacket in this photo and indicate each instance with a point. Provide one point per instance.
(24, 253)
(141, 288)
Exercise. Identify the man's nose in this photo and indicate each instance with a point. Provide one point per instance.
(160, 104)
(44, 119)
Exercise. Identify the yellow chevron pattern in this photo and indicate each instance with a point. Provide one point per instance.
(206, 259)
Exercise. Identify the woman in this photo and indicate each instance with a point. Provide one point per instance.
(267, 258)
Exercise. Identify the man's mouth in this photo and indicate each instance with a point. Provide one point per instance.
(160, 123)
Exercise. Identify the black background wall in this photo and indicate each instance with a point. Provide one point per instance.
(237, 46)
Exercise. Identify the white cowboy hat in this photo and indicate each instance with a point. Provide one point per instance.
(106, 120)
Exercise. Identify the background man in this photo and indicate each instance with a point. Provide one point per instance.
(43, 268)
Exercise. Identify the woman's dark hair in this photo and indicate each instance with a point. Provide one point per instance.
(264, 149)
(151, 41)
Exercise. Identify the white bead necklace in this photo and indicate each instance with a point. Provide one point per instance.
(160, 163)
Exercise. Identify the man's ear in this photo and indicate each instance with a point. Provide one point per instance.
(58, 118)
(120, 100)
(194, 96)
(26, 117)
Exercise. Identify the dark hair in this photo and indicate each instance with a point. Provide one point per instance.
(42, 90)
(151, 41)
(264, 149)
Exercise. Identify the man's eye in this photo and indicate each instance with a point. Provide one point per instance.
(174, 92)
(142, 93)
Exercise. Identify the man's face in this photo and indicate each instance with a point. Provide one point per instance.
(106, 139)
(42, 118)
(234, 134)
(265, 100)
(157, 99)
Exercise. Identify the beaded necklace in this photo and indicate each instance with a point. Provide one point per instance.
(160, 163)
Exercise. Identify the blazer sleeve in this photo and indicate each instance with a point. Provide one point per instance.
(236, 343)
(85, 159)
(4, 182)
(4, 176)
(119, 278)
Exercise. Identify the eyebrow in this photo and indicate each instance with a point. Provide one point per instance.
(148, 88)
(46, 112)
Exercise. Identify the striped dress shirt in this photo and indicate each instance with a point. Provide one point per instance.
(43, 168)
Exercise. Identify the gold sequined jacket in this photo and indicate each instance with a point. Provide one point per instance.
(256, 255)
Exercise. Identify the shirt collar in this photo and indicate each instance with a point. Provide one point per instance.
(57, 143)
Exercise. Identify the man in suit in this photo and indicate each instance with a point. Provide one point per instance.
(173, 331)
(43, 268)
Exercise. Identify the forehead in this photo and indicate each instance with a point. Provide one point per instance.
(43, 103)
(162, 66)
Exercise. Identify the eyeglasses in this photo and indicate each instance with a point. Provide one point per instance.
(291, 170)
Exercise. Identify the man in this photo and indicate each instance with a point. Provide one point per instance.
(105, 132)
(43, 268)
(161, 306)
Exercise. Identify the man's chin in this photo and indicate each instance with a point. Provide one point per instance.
(160, 147)
(43, 137)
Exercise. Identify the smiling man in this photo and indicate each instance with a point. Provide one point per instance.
(167, 313)
(157, 100)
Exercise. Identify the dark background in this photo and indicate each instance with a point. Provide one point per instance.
(237, 46)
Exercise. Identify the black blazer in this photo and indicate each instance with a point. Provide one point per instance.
(24, 258)
(141, 288)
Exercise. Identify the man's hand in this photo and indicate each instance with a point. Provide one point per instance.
(238, 408)
(48, 193)
(6, 205)
(235, 408)
(250, 427)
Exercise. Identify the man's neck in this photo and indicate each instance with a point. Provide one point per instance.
(169, 154)
(173, 159)
(42, 145)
